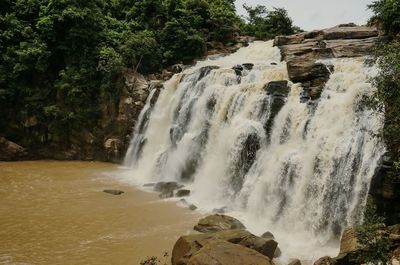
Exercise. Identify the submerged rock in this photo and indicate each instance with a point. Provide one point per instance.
(218, 222)
(220, 210)
(268, 235)
(167, 189)
(114, 192)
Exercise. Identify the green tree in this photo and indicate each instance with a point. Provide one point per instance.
(373, 239)
(386, 15)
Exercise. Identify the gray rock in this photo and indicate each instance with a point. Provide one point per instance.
(220, 210)
(167, 189)
(268, 235)
(188, 205)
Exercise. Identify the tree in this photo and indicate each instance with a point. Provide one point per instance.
(386, 15)
(373, 239)
(266, 24)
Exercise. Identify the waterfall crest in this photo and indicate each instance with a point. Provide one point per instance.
(239, 135)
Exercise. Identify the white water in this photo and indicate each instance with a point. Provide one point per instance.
(302, 173)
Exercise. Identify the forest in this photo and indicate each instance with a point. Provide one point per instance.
(60, 58)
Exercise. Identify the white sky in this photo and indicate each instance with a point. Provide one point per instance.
(317, 14)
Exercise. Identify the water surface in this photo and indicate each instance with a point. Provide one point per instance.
(56, 213)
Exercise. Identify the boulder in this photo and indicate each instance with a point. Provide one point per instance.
(10, 150)
(186, 246)
(277, 88)
(221, 252)
(348, 242)
(167, 189)
(218, 222)
(185, 203)
(114, 192)
(182, 193)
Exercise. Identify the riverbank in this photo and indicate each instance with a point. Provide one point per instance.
(57, 213)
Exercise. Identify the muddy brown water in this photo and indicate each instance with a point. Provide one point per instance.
(56, 213)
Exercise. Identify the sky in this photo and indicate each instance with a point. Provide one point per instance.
(317, 14)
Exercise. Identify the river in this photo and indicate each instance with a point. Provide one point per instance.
(57, 213)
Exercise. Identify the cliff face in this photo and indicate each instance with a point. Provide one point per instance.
(108, 142)
(303, 53)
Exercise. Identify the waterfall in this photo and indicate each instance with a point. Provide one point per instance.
(237, 133)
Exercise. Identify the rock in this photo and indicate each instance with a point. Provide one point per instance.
(352, 32)
(220, 252)
(10, 150)
(114, 192)
(248, 66)
(176, 68)
(188, 205)
(166, 189)
(218, 222)
(325, 261)
(114, 150)
(295, 262)
(277, 252)
(238, 69)
(182, 193)
(268, 235)
(348, 242)
(277, 88)
(149, 185)
(186, 246)
(220, 210)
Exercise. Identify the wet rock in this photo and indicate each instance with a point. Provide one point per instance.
(238, 69)
(186, 246)
(218, 222)
(114, 149)
(295, 262)
(273, 63)
(182, 193)
(10, 150)
(268, 235)
(221, 252)
(277, 252)
(114, 192)
(348, 242)
(206, 70)
(325, 261)
(149, 185)
(167, 189)
(277, 88)
(188, 205)
(220, 210)
(248, 66)
(176, 68)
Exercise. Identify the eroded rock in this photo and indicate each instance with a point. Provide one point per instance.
(218, 222)
(182, 193)
(221, 252)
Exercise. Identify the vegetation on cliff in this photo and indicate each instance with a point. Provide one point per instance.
(62, 58)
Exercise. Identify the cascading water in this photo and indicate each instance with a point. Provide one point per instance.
(241, 137)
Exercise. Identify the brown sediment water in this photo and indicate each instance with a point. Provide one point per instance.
(57, 213)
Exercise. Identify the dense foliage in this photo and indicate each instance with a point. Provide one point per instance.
(372, 237)
(266, 24)
(61, 58)
(387, 82)
(386, 15)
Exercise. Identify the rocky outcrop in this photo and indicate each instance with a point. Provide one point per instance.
(385, 190)
(167, 189)
(220, 252)
(188, 247)
(11, 151)
(218, 222)
(303, 51)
